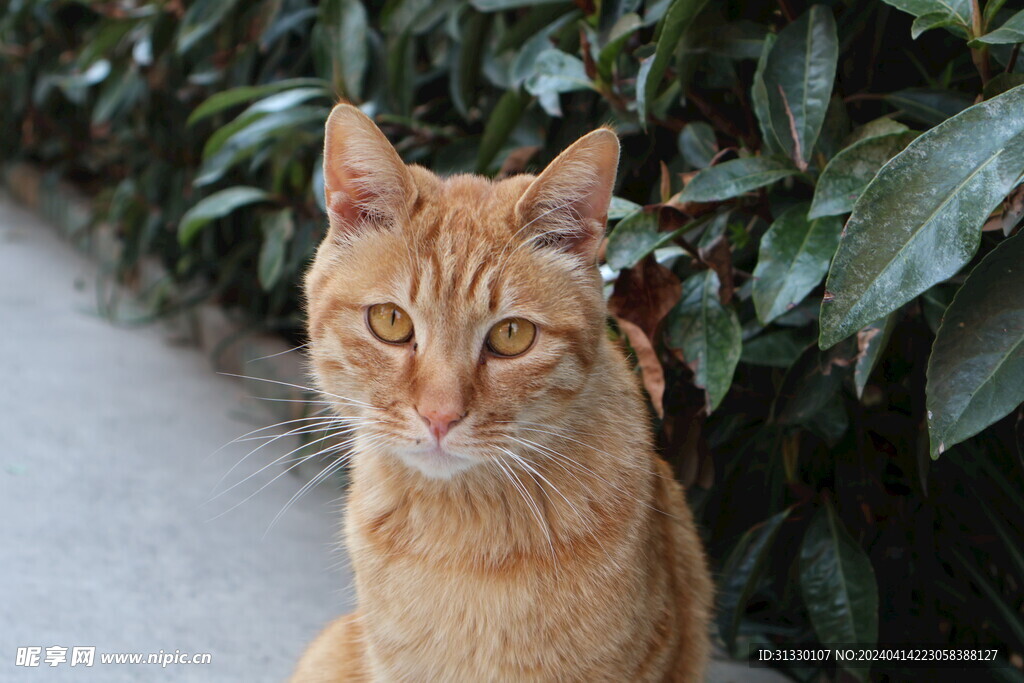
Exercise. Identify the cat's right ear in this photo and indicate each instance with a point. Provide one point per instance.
(366, 184)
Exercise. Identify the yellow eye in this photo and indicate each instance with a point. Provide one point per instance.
(389, 323)
(511, 337)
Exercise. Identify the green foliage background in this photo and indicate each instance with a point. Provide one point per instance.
(815, 247)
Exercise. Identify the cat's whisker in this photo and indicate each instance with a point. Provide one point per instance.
(343, 399)
(531, 504)
(593, 448)
(312, 429)
(524, 463)
(274, 462)
(320, 476)
(323, 422)
(279, 353)
(262, 429)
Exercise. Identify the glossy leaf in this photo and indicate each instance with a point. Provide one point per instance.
(202, 17)
(707, 333)
(733, 178)
(742, 572)
(793, 258)
(215, 206)
(346, 25)
(929, 105)
(958, 10)
(919, 221)
(850, 171)
(697, 144)
(235, 96)
(677, 19)
(798, 77)
(778, 349)
(759, 100)
(976, 370)
(871, 341)
(277, 230)
(500, 125)
(557, 72)
(620, 208)
(838, 584)
(1010, 32)
(633, 238)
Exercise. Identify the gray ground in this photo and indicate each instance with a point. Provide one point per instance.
(108, 537)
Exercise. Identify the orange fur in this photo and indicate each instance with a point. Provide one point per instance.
(542, 539)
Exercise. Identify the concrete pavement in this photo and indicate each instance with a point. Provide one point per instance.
(108, 537)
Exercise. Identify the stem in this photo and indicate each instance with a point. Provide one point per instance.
(979, 55)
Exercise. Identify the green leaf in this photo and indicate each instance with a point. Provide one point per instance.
(976, 370)
(465, 76)
(633, 238)
(742, 573)
(874, 129)
(759, 100)
(809, 384)
(277, 231)
(202, 17)
(500, 124)
(850, 171)
(1000, 83)
(620, 208)
(215, 206)
(525, 63)
(557, 72)
(235, 96)
(871, 341)
(927, 22)
(838, 584)
(346, 29)
(930, 106)
(677, 20)
(735, 177)
(499, 5)
(959, 10)
(793, 258)
(708, 334)
(919, 221)
(697, 144)
(254, 136)
(778, 349)
(798, 77)
(621, 31)
(1010, 32)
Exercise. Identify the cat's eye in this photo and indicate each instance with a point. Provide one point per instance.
(511, 337)
(389, 323)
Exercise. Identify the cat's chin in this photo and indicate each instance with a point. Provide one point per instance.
(435, 462)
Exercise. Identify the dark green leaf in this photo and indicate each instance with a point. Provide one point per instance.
(775, 349)
(930, 106)
(677, 20)
(838, 584)
(707, 333)
(1010, 32)
(215, 206)
(623, 29)
(346, 26)
(735, 177)
(759, 100)
(499, 5)
(871, 341)
(810, 383)
(742, 573)
(976, 370)
(557, 72)
(850, 171)
(500, 125)
(959, 10)
(793, 258)
(798, 78)
(277, 231)
(620, 208)
(235, 96)
(919, 221)
(697, 144)
(927, 22)
(874, 129)
(202, 17)
(633, 238)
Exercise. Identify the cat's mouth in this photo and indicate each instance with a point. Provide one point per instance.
(435, 461)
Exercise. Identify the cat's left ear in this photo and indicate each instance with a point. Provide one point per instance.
(567, 205)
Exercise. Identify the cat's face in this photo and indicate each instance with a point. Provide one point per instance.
(453, 318)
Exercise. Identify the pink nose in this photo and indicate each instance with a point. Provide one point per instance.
(439, 420)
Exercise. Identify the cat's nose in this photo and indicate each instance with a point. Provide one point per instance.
(439, 420)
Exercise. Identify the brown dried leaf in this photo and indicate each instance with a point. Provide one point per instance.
(517, 160)
(651, 372)
(666, 183)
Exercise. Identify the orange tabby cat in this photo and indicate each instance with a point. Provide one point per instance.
(507, 519)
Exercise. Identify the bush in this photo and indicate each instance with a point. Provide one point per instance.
(806, 419)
